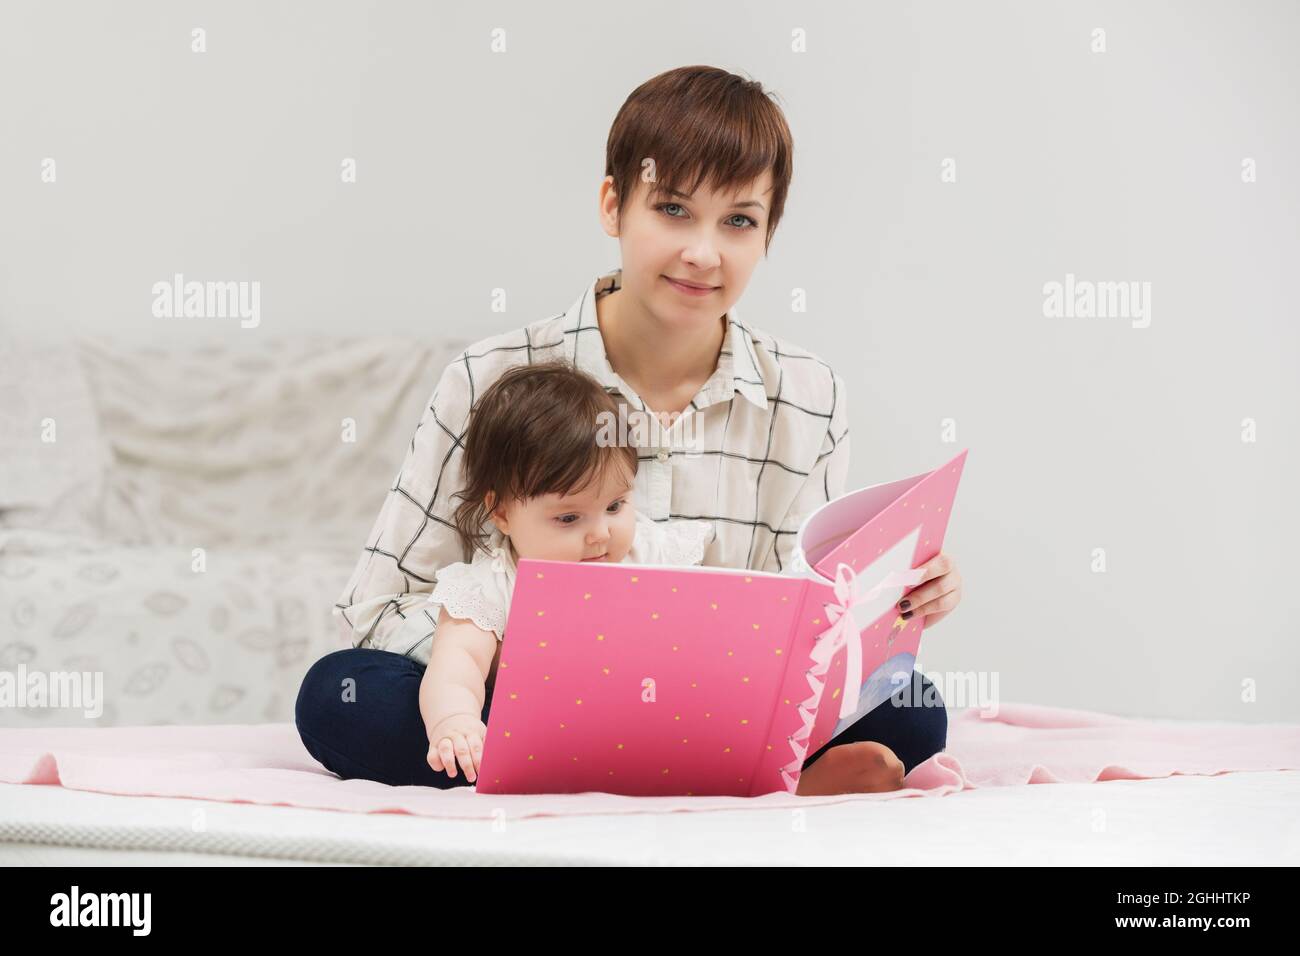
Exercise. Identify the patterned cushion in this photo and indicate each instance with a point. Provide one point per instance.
(202, 509)
(225, 644)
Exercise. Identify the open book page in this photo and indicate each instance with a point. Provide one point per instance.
(880, 534)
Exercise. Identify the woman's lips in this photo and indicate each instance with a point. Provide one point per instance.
(689, 290)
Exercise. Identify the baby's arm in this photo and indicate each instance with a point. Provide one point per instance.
(453, 691)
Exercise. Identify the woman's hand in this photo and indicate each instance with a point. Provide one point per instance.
(937, 594)
(458, 737)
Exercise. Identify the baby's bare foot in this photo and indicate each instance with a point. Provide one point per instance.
(863, 767)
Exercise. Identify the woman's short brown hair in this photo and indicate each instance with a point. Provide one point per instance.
(534, 432)
(701, 123)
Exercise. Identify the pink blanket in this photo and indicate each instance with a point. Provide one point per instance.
(266, 764)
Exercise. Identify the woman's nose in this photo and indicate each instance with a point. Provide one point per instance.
(702, 254)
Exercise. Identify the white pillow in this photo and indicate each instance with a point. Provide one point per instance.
(43, 393)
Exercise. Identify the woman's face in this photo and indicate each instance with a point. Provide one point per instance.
(710, 239)
(595, 524)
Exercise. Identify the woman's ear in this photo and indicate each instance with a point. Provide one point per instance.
(608, 207)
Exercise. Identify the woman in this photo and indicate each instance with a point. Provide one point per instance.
(752, 436)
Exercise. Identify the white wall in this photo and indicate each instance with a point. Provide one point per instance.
(478, 171)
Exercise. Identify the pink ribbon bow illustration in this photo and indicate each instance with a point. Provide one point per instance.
(843, 628)
(843, 632)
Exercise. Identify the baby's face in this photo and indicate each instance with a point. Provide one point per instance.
(596, 524)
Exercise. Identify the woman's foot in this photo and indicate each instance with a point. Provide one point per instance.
(863, 767)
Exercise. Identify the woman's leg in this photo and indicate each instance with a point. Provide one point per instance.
(913, 723)
(358, 714)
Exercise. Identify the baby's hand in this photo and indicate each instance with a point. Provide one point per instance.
(459, 736)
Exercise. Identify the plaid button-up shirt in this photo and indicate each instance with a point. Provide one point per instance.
(768, 444)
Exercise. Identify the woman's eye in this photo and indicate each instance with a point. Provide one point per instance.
(751, 222)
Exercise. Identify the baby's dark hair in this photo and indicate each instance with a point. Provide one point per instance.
(534, 432)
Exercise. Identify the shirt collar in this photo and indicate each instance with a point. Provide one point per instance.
(737, 369)
(499, 552)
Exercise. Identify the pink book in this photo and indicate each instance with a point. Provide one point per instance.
(656, 681)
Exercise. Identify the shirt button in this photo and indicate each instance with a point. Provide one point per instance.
(662, 455)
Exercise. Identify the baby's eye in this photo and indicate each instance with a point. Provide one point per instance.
(564, 519)
(615, 507)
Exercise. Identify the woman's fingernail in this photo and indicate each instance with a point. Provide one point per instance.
(907, 615)
(904, 604)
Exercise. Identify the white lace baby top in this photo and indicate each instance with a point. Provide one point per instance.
(480, 591)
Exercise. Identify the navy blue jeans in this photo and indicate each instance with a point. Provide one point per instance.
(379, 733)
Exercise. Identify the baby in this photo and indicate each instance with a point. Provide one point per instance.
(534, 468)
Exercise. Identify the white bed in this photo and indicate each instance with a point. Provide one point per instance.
(96, 563)
(1233, 819)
